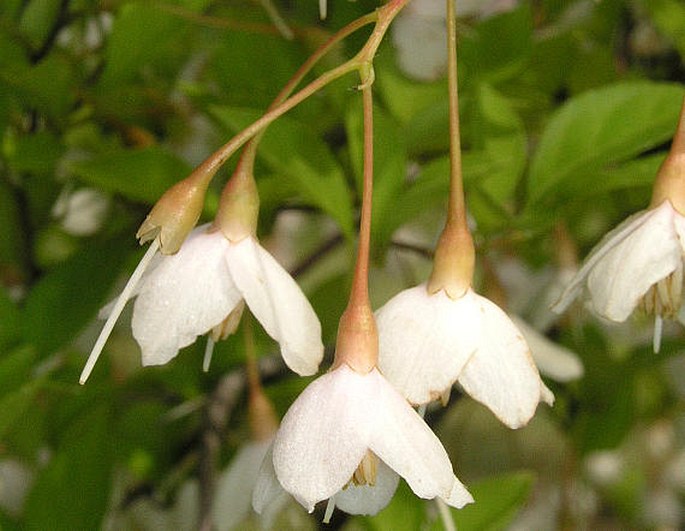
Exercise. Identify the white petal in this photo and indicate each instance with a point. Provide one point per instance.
(402, 439)
(233, 499)
(553, 360)
(610, 240)
(425, 341)
(323, 437)
(267, 490)
(501, 374)
(626, 272)
(277, 302)
(370, 500)
(186, 295)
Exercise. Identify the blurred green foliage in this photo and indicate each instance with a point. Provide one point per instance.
(567, 108)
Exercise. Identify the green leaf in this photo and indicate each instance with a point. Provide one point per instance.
(12, 242)
(293, 152)
(499, 47)
(236, 61)
(669, 18)
(38, 19)
(497, 501)
(72, 492)
(142, 32)
(10, 319)
(140, 175)
(405, 98)
(600, 128)
(36, 153)
(47, 86)
(14, 405)
(15, 368)
(634, 173)
(63, 301)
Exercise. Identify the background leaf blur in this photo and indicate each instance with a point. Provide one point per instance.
(567, 109)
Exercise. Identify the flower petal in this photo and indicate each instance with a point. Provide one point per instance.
(425, 341)
(233, 499)
(610, 240)
(267, 491)
(323, 437)
(186, 295)
(370, 500)
(553, 360)
(625, 273)
(501, 374)
(277, 302)
(402, 439)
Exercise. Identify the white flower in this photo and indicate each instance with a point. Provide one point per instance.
(233, 499)
(348, 427)
(194, 291)
(429, 342)
(81, 212)
(638, 264)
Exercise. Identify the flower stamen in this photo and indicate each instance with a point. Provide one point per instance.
(366, 471)
(665, 297)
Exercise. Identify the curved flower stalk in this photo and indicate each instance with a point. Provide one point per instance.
(442, 332)
(639, 264)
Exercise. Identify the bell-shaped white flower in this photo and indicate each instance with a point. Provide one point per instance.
(194, 291)
(638, 264)
(430, 341)
(349, 428)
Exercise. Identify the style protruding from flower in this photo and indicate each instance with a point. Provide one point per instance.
(639, 264)
(167, 226)
(350, 433)
(205, 285)
(442, 332)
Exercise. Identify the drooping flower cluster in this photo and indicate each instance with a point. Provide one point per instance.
(353, 432)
